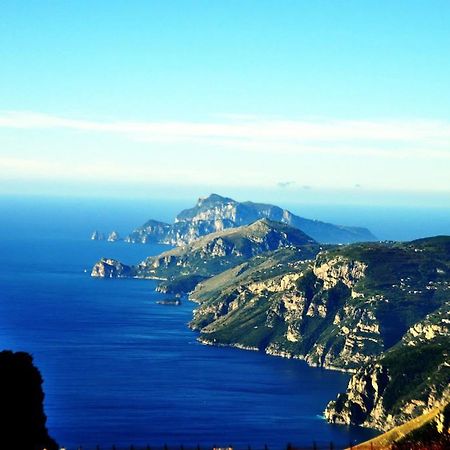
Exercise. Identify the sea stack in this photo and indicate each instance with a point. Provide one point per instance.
(113, 236)
(97, 236)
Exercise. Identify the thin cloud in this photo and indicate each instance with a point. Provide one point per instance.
(423, 138)
(34, 169)
(285, 184)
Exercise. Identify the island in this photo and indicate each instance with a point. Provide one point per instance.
(216, 213)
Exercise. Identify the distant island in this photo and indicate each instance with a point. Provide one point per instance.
(216, 213)
(380, 310)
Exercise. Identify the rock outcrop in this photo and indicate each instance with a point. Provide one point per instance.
(113, 236)
(111, 268)
(23, 421)
(97, 236)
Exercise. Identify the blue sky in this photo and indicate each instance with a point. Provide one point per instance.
(318, 100)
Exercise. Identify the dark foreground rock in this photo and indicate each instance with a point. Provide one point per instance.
(22, 420)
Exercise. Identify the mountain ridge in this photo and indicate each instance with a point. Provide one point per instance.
(210, 255)
(216, 213)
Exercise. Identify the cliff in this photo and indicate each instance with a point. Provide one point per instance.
(407, 381)
(338, 311)
(216, 213)
(379, 310)
(23, 420)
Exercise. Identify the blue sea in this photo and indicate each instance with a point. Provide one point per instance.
(121, 369)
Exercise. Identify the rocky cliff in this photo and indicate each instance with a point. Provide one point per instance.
(304, 310)
(216, 213)
(23, 421)
(111, 268)
(405, 382)
(373, 309)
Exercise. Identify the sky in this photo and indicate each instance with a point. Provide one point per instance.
(315, 101)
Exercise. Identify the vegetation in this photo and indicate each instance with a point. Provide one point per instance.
(414, 371)
(184, 267)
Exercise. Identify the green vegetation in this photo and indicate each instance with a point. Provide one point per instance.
(414, 370)
(181, 284)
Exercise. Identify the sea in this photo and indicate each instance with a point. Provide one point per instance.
(120, 369)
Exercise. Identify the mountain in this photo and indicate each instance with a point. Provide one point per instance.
(348, 305)
(181, 268)
(23, 421)
(217, 213)
(379, 310)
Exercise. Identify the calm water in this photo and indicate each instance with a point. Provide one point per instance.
(119, 368)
